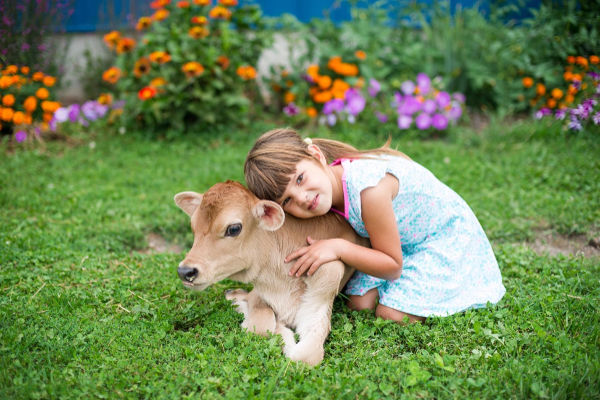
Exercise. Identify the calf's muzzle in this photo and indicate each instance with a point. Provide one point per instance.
(186, 273)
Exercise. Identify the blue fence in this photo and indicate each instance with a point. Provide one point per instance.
(103, 15)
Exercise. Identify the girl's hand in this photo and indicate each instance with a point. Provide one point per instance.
(311, 257)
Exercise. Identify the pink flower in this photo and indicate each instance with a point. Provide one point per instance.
(20, 136)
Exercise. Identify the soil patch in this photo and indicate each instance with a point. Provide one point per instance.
(158, 244)
(553, 244)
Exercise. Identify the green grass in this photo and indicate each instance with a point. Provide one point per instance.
(85, 314)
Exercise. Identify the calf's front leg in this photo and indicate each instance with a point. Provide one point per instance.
(313, 320)
(258, 315)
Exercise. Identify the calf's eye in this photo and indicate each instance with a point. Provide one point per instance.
(233, 230)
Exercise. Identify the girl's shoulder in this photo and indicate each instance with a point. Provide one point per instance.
(361, 173)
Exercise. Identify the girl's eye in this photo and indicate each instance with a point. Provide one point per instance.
(284, 202)
(299, 178)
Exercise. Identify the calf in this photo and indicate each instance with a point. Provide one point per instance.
(240, 237)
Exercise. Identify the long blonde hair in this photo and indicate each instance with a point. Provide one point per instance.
(274, 156)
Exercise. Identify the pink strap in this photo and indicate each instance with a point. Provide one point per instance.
(344, 214)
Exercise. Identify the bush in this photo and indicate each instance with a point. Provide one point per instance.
(27, 101)
(193, 66)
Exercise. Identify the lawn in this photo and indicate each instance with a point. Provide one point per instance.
(87, 311)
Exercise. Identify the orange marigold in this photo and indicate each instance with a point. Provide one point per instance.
(11, 69)
(125, 45)
(223, 61)
(49, 81)
(146, 93)
(42, 93)
(8, 100)
(556, 93)
(199, 20)
(198, 32)
(112, 75)
(30, 104)
(289, 97)
(324, 82)
(160, 15)
(582, 61)
(5, 82)
(141, 67)
(229, 3)
(183, 4)
(246, 72)
(571, 59)
(105, 98)
(159, 4)
(540, 89)
(594, 59)
(160, 57)
(112, 38)
(50, 106)
(7, 114)
(202, 2)
(38, 76)
(311, 112)
(192, 69)
(143, 23)
(322, 97)
(219, 12)
(25, 69)
(313, 71)
(527, 82)
(158, 82)
(361, 55)
(18, 118)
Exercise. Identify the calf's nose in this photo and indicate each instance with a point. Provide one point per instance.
(187, 273)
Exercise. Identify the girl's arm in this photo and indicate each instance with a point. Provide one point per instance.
(382, 260)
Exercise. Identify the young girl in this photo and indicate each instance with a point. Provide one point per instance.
(429, 255)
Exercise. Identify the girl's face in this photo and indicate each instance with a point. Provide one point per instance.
(309, 193)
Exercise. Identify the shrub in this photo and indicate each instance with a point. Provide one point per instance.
(192, 66)
(27, 101)
(576, 101)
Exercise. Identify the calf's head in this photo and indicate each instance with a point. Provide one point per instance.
(228, 222)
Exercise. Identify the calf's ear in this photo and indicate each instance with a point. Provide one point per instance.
(188, 201)
(270, 215)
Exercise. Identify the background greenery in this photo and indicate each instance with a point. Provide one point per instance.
(86, 313)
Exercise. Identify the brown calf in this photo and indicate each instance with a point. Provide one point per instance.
(240, 237)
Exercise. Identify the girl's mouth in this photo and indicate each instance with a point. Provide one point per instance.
(314, 203)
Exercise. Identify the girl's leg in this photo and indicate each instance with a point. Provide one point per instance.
(389, 313)
(367, 301)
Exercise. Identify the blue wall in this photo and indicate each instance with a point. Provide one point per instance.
(104, 15)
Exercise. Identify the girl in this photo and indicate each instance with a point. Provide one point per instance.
(429, 255)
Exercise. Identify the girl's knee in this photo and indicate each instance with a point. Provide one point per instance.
(385, 312)
(368, 301)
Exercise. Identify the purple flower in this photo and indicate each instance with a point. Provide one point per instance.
(20, 136)
(423, 121)
(374, 87)
(542, 112)
(455, 112)
(594, 75)
(404, 121)
(74, 112)
(429, 106)
(459, 97)
(574, 124)
(61, 114)
(408, 87)
(424, 83)
(331, 119)
(397, 99)
(443, 99)
(355, 102)
(291, 109)
(308, 78)
(333, 105)
(560, 114)
(596, 118)
(25, 46)
(409, 106)
(439, 122)
(93, 110)
(381, 117)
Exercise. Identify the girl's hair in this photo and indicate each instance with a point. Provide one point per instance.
(274, 157)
